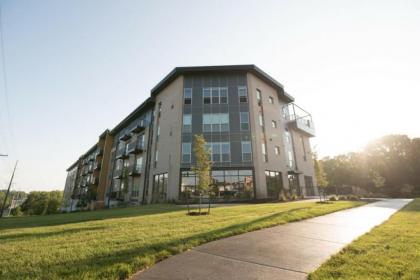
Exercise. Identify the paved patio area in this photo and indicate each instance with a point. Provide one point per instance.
(287, 251)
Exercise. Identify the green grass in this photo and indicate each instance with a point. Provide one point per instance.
(389, 251)
(112, 244)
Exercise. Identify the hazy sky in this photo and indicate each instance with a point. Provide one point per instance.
(75, 68)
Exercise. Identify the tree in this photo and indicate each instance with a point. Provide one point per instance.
(321, 177)
(202, 168)
(42, 203)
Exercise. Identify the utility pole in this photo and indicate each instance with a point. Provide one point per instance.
(8, 190)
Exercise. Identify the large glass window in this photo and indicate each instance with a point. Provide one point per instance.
(139, 164)
(260, 119)
(226, 184)
(219, 151)
(206, 96)
(243, 95)
(215, 122)
(160, 186)
(186, 152)
(215, 95)
(187, 123)
(187, 96)
(258, 93)
(246, 151)
(244, 119)
(264, 152)
(223, 96)
(274, 183)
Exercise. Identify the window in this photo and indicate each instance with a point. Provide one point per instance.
(223, 96)
(243, 95)
(287, 136)
(156, 158)
(246, 151)
(290, 158)
(271, 100)
(206, 96)
(277, 150)
(139, 164)
(274, 124)
(219, 151)
(186, 152)
(258, 93)
(140, 140)
(187, 123)
(264, 152)
(215, 95)
(160, 186)
(225, 152)
(187, 96)
(215, 122)
(261, 119)
(228, 184)
(303, 147)
(274, 183)
(244, 119)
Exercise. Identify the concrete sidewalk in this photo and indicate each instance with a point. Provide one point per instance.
(287, 251)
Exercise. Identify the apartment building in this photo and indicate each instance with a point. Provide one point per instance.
(257, 137)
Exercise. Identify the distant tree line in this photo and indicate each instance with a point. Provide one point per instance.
(389, 166)
(35, 203)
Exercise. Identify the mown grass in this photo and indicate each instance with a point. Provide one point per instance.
(115, 243)
(389, 251)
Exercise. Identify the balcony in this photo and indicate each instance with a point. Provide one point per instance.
(125, 137)
(99, 152)
(121, 154)
(140, 126)
(118, 174)
(299, 119)
(97, 166)
(135, 170)
(135, 147)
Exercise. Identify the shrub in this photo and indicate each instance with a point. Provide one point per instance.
(352, 197)
(333, 198)
(282, 196)
(342, 197)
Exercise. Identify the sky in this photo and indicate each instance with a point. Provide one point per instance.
(75, 68)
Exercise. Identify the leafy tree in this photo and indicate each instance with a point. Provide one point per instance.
(321, 177)
(202, 167)
(42, 203)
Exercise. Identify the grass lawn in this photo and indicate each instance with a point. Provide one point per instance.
(389, 251)
(112, 244)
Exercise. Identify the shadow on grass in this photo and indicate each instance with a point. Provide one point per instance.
(29, 235)
(106, 265)
(78, 217)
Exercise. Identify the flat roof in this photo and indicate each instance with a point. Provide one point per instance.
(177, 71)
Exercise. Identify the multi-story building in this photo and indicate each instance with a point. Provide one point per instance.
(257, 137)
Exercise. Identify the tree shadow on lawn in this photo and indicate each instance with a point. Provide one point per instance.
(108, 264)
(78, 217)
(29, 235)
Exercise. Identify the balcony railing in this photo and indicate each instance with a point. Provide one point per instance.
(99, 152)
(140, 126)
(121, 153)
(135, 170)
(299, 119)
(135, 147)
(97, 166)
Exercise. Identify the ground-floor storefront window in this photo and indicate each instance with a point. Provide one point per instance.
(229, 184)
(274, 183)
(160, 187)
(294, 184)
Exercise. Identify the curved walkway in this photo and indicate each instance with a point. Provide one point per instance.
(287, 251)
